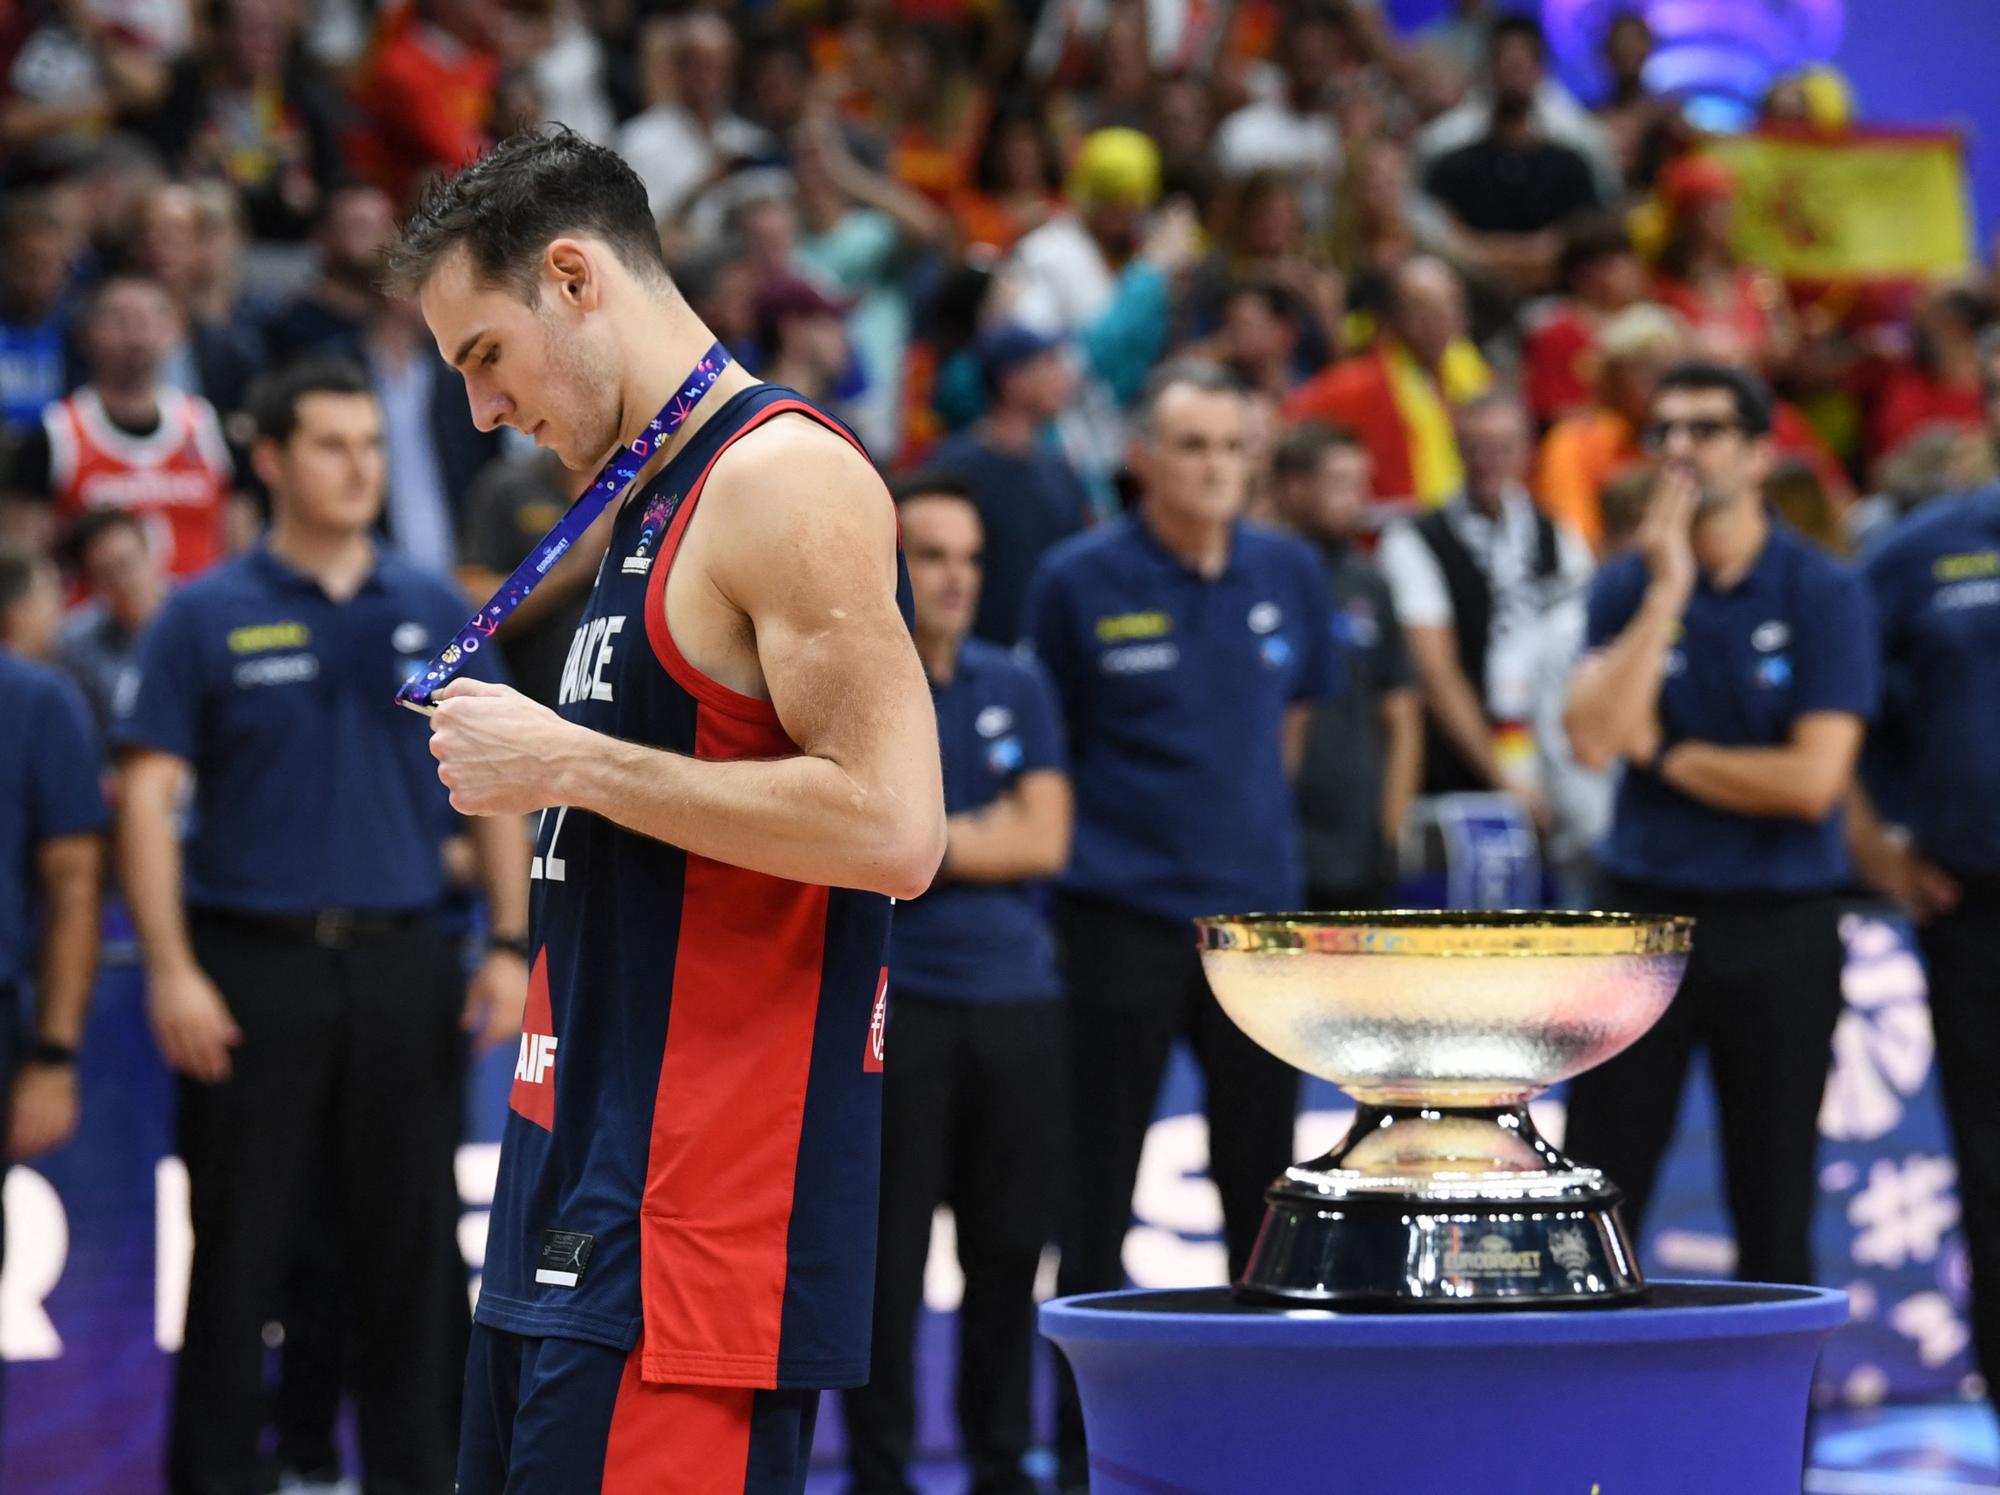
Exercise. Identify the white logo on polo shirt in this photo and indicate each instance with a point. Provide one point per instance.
(1265, 617)
(992, 721)
(278, 669)
(1768, 638)
(410, 638)
(1140, 659)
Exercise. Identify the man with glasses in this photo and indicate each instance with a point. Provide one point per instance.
(1733, 668)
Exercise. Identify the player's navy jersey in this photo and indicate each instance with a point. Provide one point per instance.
(691, 1156)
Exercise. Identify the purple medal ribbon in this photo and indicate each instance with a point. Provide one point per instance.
(612, 481)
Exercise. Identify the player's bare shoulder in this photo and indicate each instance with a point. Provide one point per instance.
(794, 503)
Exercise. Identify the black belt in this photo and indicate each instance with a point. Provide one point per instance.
(329, 928)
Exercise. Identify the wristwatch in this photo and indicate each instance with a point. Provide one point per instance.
(514, 944)
(49, 1051)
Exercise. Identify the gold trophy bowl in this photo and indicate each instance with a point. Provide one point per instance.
(1442, 1026)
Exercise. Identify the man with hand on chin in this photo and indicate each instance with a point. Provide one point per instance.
(1733, 668)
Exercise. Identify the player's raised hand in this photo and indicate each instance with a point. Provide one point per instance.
(497, 751)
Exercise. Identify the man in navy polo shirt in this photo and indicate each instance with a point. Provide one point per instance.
(972, 1110)
(51, 874)
(1733, 668)
(1935, 579)
(1186, 647)
(298, 977)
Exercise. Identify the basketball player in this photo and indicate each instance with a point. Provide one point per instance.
(741, 773)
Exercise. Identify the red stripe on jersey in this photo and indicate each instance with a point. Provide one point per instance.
(708, 691)
(694, 1440)
(715, 1224)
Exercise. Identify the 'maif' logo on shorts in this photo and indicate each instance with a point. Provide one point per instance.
(534, 1092)
(878, 1025)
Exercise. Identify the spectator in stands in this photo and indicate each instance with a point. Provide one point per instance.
(127, 439)
(37, 252)
(254, 112)
(423, 96)
(1363, 756)
(1186, 647)
(689, 134)
(221, 349)
(1476, 585)
(1068, 267)
(1028, 495)
(1586, 449)
(1398, 395)
(1016, 181)
(124, 586)
(1292, 130)
(76, 75)
(1699, 275)
(1638, 123)
(803, 336)
(1732, 668)
(1513, 185)
(1599, 274)
(1517, 62)
(1262, 328)
(433, 449)
(331, 313)
(297, 978)
(861, 234)
(1933, 461)
(30, 603)
(973, 1116)
(1940, 379)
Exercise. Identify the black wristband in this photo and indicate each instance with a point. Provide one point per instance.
(514, 944)
(48, 1051)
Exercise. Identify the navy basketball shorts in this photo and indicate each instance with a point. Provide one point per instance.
(563, 1417)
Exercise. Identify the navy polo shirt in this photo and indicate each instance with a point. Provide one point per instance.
(1174, 690)
(1935, 580)
(1792, 636)
(313, 789)
(983, 942)
(49, 787)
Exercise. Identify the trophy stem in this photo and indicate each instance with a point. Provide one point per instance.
(1424, 1205)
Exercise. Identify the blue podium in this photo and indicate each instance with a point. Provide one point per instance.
(1702, 1387)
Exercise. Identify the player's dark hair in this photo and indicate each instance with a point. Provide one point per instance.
(1751, 394)
(1521, 25)
(275, 401)
(506, 208)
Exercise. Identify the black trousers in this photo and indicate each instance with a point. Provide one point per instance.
(1962, 956)
(344, 1104)
(1135, 985)
(1761, 996)
(971, 1118)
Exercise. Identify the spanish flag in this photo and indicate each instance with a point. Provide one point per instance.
(1866, 204)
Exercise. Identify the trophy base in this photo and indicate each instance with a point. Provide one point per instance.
(1422, 1207)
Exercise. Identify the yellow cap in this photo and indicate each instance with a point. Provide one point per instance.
(1116, 166)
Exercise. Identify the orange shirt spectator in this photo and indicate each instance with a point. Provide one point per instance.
(424, 95)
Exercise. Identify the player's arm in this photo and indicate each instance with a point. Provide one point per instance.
(1023, 834)
(803, 545)
(1802, 779)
